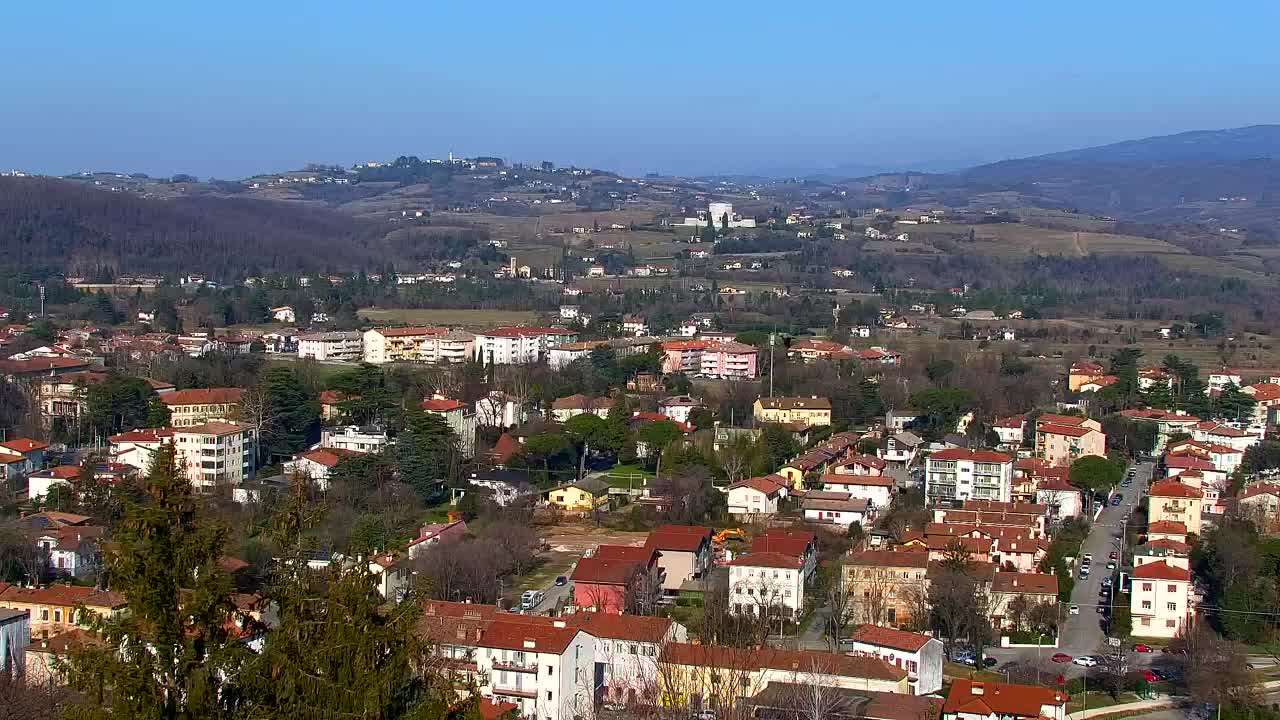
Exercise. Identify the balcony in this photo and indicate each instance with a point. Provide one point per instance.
(513, 666)
(515, 692)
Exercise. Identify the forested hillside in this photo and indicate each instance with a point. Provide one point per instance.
(83, 229)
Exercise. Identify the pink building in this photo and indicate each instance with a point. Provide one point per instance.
(601, 582)
(729, 360)
(684, 356)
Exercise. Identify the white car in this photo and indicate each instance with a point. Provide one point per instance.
(1086, 661)
(1075, 610)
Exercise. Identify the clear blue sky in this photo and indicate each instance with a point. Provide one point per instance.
(233, 88)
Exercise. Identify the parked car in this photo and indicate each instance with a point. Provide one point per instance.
(561, 581)
(1086, 558)
(1114, 555)
(1106, 583)
(1084, 571)
(1061, 658)
(1150, 676)
(1111, 565)
(1086, 661)
(1075, 609)
(530, 599)
(1139, 647)
(1115, 501)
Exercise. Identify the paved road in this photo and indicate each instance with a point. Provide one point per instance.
(1083, 634)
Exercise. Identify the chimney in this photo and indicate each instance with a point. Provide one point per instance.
(977, 689)
(530, 644)
(1015, 581)
(559, 624)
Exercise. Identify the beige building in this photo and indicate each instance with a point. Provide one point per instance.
(451, 348)
(1177, 502)
(53, 608)
(808, 411)
(196, 406)
(1160, 599)
(1062, 439)
(215, 454)
(459, 416)
(1261, 502)
(404, 344)
(886, 587)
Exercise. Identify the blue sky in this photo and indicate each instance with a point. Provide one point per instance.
(232, 88)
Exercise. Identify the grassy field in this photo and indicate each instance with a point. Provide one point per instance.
(628, 476)
(432, 316)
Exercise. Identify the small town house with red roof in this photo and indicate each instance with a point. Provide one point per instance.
(920, 655)
(985, 700)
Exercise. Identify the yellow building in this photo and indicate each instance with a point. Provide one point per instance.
(1062, 439)
(54, 608)
(578, 497)
(886, 586)
(808, 411)
(1170, 500)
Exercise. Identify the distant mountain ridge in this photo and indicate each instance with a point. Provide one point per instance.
(1186, 148)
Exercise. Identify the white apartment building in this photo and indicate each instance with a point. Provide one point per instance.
(215, 454)
(961, 474)
(766, 583)
(404, 344)
(458, 416)
(451, 348)
(519, 345)
(627, 648)
(135, 448)
(498, 409)
(1160, 599)
(342, 345)
(354, 438)
(542, 665)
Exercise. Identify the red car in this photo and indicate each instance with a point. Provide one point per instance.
(1150, 676)
(1114, 555)
(1061, 657)
(1143, 648)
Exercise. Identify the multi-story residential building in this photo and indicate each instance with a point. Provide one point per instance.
(1225, 458)
(458, 416)
(978, 700)
(617, 579)
(1266, 395)
(808, 411)
(71, 550)
(1160, 599)
(542, 665)
(1062, 439)
(1083, 372)
(347, 345)
(454, 347)
(757, 497)
(900, 449)
(519, 345)
(679, 407)
(767, 584)
(1222, 434)
(1053, 490)
(402, 344)
(500, 410)
(1167, 530)
(635, 325)
(197, 406)
(215, 454)
(1010, 430)
(1177, 502)
(961, 474)
(39, 482)
(1172, 552)
(53, 608)
(728, 360)
(63, 395)
(886, 587)
(684, 553)
(877, 490)
(1261, 501)
(355, 438)
(627, 648)
(684, 356)
(920, 655)
(1034, 587)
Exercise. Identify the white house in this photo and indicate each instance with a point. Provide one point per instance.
(458, 416)
(877, 490)
(679, 408)
(317, 464)
(500, 410)
(979, 700)
(834, 508)
(920, 655)
(216, 454)
(757, 496)
(1160, 599)
(1010, 430)
(38, 483)
(284, 314)
(1063, 499)
(766, 583)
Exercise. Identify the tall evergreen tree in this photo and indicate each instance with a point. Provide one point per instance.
(164, 562)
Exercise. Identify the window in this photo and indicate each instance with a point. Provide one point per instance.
(57, 616)
(1171, 606)
(1146, 587)
(1146, 604)
(44, 614)
(548, 696)
(633, 650)
(1170, 623)
(1146, 621)
(1173, 588)
(551, 670)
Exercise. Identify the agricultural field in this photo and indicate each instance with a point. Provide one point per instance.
(448, 316)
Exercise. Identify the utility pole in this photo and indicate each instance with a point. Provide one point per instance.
(772, 338)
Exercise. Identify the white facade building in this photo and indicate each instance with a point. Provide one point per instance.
(766, 583)
(920, 655)
(519, 345)
(346, 346)
(215, 454)
(354, 438)
(961, 474)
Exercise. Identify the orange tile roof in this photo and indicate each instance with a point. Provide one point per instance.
(1068, 430)
(440, 405)
(767, 559)
(986, 456)
(765, 484)
(790, 542)
(516, 632)
(330, 457)
(24, 445)
(889, 558)
(62, 595)
(605, 572)
(627, 553)
(786, 660)
(1175, 489)
(1167, 527)
(142, 435)
(1004, 699)
(680, 538)
(203, 396)
(1052, 419)
(889, 637)
(1025, 583)
(637, 628)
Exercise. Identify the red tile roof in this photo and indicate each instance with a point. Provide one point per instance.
(203, 396)
(786, 660)
(1188, 462)
(1264, 392)
(62, 595)
(767, 559)
(24, 445)
(1052, 419)
(1012, 422)
(1068, 430)
(142, 435)
(680, 538)
(1161, 570)
(1260, 488)
(1004, 699)
(330, 457)
(212, 428)
(1160, 415)
(789, 542)
(1025, 583)
(61, 472)
(410, 331)
(1175, 489)
(605, 572)
(440, 405)
(850, 479)
(503, 449)
(1167, 527)
(490, 710)
(890, 558)
(889, 637)
(637, 628)
(985, 456)
(765, 484)
(626, 553)
(516, 632)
